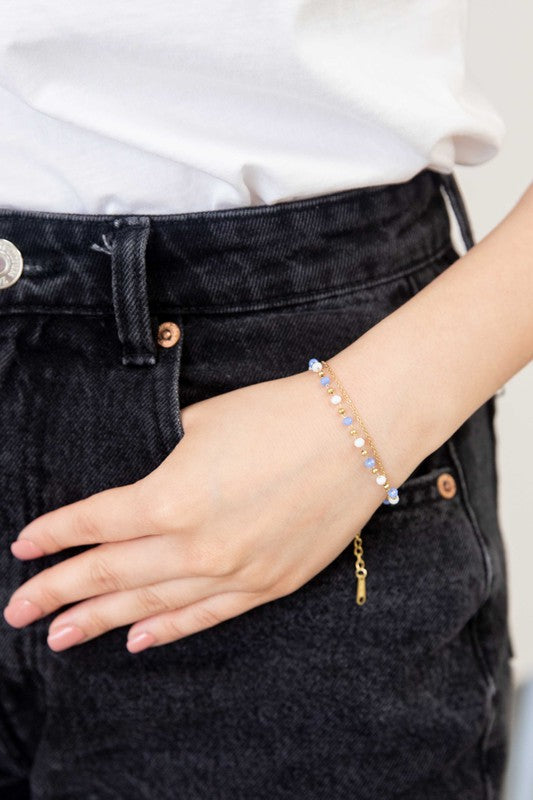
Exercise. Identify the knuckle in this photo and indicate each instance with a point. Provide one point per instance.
(257, 576)
(48, 540)
(166, 510)
(214, 560)
(85, 527)
(207, 618)
(98, 622)
(161, 513)
(103, 576)
(175, 629)
(150, 600)
(51, 596)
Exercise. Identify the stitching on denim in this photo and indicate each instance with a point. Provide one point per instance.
(490, 714)
(271, 303)
(108, 240)
(173, 403)
(339, 291)
(487, 560)
(167, 408)
(488, 678)
(427, 477)
(69, 311)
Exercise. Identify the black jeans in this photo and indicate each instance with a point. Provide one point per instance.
(307, 697)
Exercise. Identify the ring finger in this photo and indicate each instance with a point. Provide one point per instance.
(96, 616)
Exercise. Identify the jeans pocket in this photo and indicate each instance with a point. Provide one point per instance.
(76, 420)
(427, 566)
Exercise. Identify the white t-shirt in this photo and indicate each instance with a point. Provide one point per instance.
(165, 106)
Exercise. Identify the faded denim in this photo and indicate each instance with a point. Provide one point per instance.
(308, 697)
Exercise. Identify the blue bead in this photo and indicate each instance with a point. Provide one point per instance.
(386, 503)
(370, 462)
(325, 380)
(312, 361)
(347, 421)
(393, 492)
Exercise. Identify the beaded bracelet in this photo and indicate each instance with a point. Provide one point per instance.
(339, 396)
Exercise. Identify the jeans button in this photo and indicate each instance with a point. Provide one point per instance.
(446, 485)
(10, 263)
(168, 334)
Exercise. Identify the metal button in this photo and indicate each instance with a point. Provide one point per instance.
(446, 485)
(168, 334)
(11, 263)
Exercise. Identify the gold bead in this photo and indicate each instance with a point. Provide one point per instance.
(321, 373)
(386, 485)
(340, 410)
(364, 452)
(329, 391)
(353, 432)
(375, 470)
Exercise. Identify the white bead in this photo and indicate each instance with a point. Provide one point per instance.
(394, 500)
(381, 479)
(317, 366)
(335, 399)
(359, 442)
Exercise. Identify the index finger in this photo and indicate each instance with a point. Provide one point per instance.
(109, 516)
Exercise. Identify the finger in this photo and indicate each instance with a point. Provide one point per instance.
(96, 616)
(112, 515)
(110, 567)
(170, 626)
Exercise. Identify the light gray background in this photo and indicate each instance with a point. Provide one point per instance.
(500, 60)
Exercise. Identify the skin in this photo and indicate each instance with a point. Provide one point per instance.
(200, 540)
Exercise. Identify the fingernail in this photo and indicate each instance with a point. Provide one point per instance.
(23, 548)
(65, 637)
(140, 642)
(21, 612)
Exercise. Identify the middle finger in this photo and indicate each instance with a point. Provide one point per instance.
(109, 567)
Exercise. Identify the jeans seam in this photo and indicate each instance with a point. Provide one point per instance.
(168, 406)
(339, 291)
(472, 516)
(485, 671)
(490, 693)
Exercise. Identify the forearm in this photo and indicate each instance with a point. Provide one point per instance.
(423, 370)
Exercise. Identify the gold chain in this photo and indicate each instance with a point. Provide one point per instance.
(360, 569)
(368, 439)
(377, 467)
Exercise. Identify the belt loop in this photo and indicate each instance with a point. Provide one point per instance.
(130, 292)
(458, 205)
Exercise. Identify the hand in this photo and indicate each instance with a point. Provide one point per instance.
(263, 491)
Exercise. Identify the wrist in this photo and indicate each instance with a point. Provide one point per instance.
(331, 450)
(387, 404)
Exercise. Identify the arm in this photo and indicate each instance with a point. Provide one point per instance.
(441, 355)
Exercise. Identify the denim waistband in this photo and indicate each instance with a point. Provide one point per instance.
(228, 259)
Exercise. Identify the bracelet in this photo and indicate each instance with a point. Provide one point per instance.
(339, 397)
(373, 463)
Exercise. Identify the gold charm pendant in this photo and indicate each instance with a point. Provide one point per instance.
(360, 570)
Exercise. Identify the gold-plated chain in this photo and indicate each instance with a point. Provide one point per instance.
(360, 569)
(368, 439)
